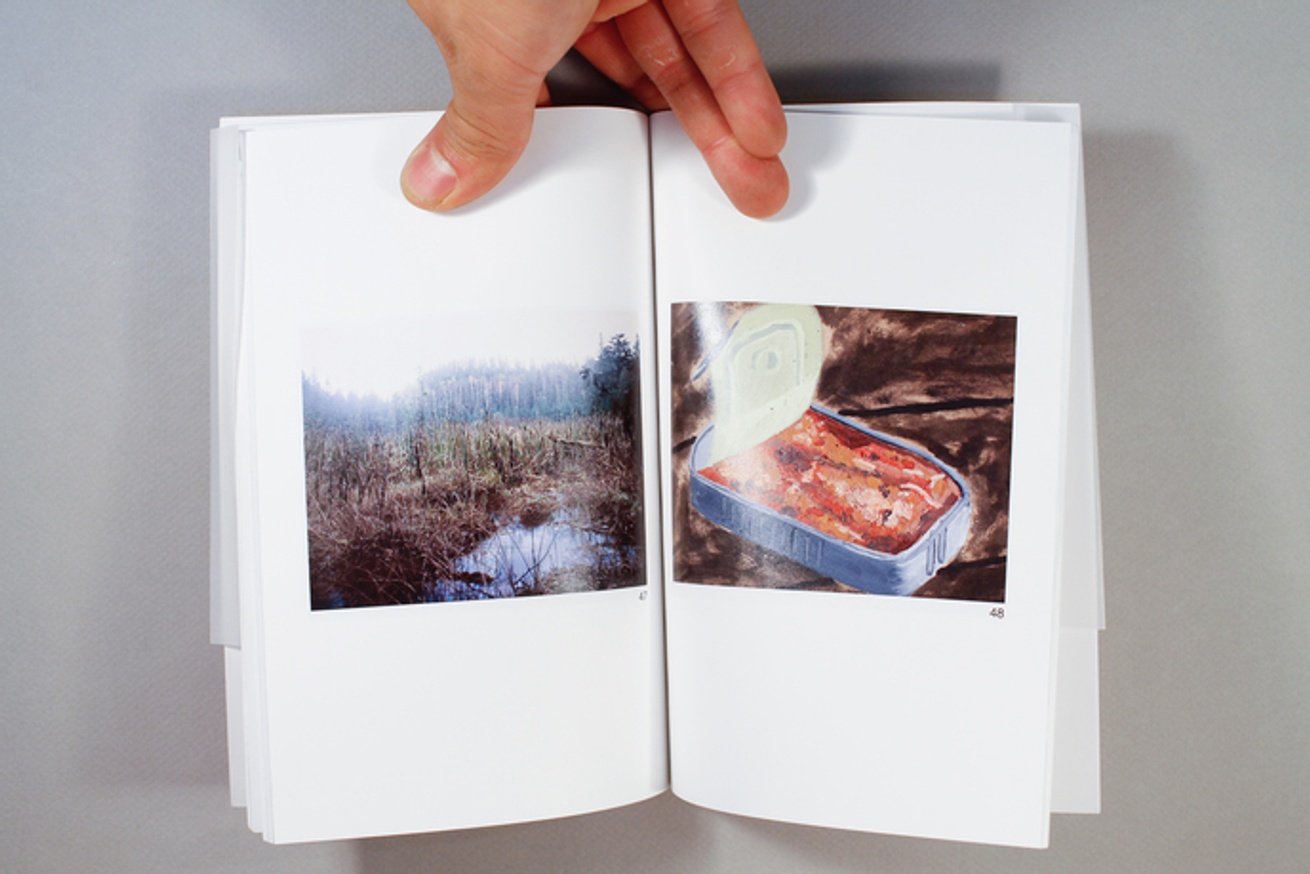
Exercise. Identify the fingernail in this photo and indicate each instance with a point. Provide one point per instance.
(428, 177)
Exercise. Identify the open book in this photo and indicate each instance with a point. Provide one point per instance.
(598, 488)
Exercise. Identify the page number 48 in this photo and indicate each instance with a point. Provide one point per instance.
(997, 613)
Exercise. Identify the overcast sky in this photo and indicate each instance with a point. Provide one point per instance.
(382, 358)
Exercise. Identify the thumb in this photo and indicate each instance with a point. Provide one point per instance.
(477, 141)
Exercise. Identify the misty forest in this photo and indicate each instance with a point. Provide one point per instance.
(485, 480)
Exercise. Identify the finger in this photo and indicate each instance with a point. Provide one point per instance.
(483, 132)
(757, 186)
(602, 46)
(607, 9)
(720, 43)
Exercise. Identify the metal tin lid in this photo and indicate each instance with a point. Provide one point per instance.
(764, 375)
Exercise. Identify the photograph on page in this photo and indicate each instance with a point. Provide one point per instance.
(842, 449)
(473, 458)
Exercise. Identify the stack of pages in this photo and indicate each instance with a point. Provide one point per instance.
(597, 488)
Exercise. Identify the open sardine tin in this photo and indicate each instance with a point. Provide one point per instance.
(862, 507)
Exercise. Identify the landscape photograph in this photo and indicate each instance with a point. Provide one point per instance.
(486, 458)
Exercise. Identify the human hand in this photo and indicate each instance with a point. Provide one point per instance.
(696, 57)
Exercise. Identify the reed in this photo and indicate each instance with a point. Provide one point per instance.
(392, 511)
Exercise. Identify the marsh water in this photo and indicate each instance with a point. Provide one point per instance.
(520, 559)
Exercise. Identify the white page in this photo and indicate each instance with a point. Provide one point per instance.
(902, 715)
(1076, 762)
(421, 717)
(236, 726)
(224, 272)
(1075, 778)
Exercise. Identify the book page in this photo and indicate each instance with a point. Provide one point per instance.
(864, 617)
(1075, 777)
(449, 613)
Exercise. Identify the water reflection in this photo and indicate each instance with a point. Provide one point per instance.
(557, 555)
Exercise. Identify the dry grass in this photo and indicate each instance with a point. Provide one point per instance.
(391, 513)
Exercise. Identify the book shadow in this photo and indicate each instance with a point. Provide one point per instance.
(575, 82)
(627, 838)
(864, 82)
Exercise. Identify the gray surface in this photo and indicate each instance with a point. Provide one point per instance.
(1198, 187)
